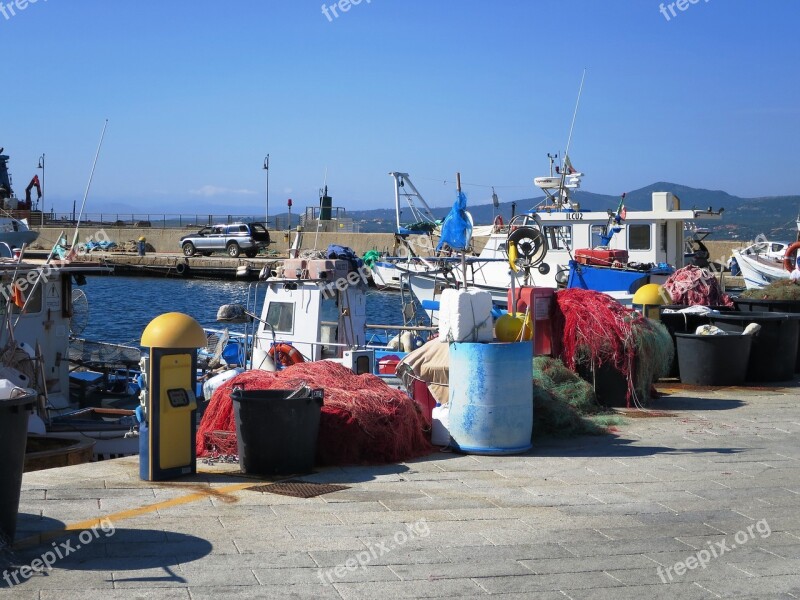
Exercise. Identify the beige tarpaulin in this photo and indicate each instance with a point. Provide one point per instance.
(431, 364)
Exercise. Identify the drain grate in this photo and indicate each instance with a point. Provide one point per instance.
(299, 489)
(645, 414)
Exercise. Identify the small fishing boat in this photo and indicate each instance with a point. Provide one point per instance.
(766, 261)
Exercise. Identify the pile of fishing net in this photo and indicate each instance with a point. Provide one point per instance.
(563, 402)
(363, 420)
(596, 330)
(692, 285)
(783, 289)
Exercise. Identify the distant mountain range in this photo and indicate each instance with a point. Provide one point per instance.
(743, 218)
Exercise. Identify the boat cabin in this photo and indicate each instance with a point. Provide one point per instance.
(315, 307)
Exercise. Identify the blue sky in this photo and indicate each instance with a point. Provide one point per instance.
(197, 93)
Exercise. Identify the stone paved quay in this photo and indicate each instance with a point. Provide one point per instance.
(628, 516)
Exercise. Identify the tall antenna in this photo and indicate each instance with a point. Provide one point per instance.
(575, 114)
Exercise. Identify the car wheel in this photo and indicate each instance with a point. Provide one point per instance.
(188, 249)
(251, 253)
(233, 250)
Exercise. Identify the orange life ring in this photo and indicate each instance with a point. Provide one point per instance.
(498, 223)
(787, 256)
(288, 355)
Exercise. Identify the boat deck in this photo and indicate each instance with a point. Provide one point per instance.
(619, 516)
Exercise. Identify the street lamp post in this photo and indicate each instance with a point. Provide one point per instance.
(41, 166)
(266, 192)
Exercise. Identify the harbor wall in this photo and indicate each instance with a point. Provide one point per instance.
(168, 240)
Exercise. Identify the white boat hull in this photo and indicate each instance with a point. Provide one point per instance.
(759, 272)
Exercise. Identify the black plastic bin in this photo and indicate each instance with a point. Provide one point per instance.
(774, 351)
(277, 434)
(13, 439)
(713, 359)
(683, 323)
(610, 386)
(760, 305)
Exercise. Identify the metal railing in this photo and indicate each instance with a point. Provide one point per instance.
(138, 220)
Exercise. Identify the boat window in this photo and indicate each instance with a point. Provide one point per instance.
(281, 316)
(663, 237)
(598, 231)
(639, 237)
(558, 238)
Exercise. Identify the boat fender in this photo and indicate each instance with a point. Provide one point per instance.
(406, 342)
(210, 386)
(790, 255)
(512, 256)
(262, 361)
(27, 348)
(182, 269)
(498, 223)
(394, 343)
(288, 355)
(36, 425)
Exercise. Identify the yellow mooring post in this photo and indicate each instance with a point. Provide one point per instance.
(167, 437)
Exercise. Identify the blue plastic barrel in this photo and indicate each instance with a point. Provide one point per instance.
(491, 397)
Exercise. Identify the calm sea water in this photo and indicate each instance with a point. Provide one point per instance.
(121, 307)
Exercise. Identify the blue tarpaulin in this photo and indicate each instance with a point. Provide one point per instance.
(457, 227)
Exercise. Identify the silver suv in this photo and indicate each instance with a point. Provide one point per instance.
(232, 238)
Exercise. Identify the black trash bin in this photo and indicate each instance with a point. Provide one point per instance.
(774, 350)
(713, 359)
(683, 322)
(13, 439)
(763, 305)
(277, 433)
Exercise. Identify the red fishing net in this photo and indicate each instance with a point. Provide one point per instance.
(692, 285)
(363, 420)
(594, 329)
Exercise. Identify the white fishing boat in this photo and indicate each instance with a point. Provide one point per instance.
(560, 244)
(766, 261)
(36, 341)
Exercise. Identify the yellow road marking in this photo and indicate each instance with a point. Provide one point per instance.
(40, 538)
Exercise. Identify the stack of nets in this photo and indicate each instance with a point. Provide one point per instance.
(363, 420)
(692, 285)
(562, 400)
(783, 289)
(594, 329)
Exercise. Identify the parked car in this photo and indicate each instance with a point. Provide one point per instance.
(232, 238)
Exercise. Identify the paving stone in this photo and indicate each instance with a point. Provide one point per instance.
(460, 570)
(296, 592)
(120, 594)
(407, 589)
(553, 582)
